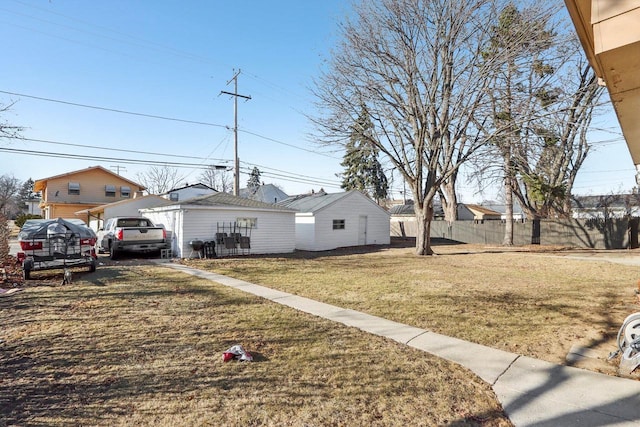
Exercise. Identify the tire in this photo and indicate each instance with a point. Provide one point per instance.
(629, 331)
(92, 266)
(27, 266)
(113, 253)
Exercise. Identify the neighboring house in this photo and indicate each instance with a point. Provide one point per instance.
(389, 204)
(328, 221)
(267, 193)
(402, 211)
(188, 192)
(65, 194)
(606, 206)
(130, 207)
(270, 228)
(407, 211)
(469, 212)
(518, 213)
(33, 206)
(466, 212)
(403, 218)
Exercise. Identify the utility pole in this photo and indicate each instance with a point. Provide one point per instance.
(118, 168)
(236, 95)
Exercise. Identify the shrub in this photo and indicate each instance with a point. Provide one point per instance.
(22, 218)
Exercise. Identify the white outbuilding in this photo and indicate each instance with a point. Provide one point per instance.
(326, 221)
(129, 207)
(257, 227)
(188, 192)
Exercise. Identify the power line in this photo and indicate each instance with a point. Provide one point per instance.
(294, 179)
(287, 176)
(126, 38)
(262, 168)
(308, 180)
(289, 145)
(68, 144)
(114, 110)
(203, 165)
(101, 158)
(174, 119)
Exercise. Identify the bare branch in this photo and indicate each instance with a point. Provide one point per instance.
(218, 179)
(415, 66)
(160, 179)
(8, 130)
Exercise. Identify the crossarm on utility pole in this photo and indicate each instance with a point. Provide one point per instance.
(236, 95)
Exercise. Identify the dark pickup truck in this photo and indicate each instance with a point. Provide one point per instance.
(130, 234)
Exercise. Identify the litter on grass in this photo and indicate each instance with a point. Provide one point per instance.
(6, 292)
(237, 352)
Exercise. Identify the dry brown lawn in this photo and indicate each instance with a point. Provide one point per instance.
(142, 345)
(533, 301)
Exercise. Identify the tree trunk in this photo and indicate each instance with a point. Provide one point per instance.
(424, 216)
(449, 202)
(508, 211)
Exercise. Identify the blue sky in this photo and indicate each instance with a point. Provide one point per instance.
(172, 59)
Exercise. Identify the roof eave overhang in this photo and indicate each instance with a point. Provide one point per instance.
(610, 37)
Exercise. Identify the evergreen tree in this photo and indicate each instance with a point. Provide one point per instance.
(363, 171)
(26, 191)
(542, 103)
(254, 181)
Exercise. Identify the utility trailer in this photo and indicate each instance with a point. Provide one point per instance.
(48, 244)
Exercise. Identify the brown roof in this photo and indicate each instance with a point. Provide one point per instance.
(482, 210)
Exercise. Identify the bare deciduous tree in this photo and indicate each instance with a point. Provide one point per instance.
(9, 189)
(416, 67)
(160, 179)
(524, 35)
(8, 130)
(547, 174)
(218, 179)
(542, 102)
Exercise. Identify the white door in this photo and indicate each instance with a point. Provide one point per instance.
(362, 230)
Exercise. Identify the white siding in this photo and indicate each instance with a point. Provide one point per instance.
(130, 208)
(349, 209)
(464, 214)
(127, 208)
(275, 232)
(305, 232)
(170, 221)
(189, 193)
(95, 224)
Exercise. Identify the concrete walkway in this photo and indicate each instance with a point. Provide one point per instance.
(532, 392)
